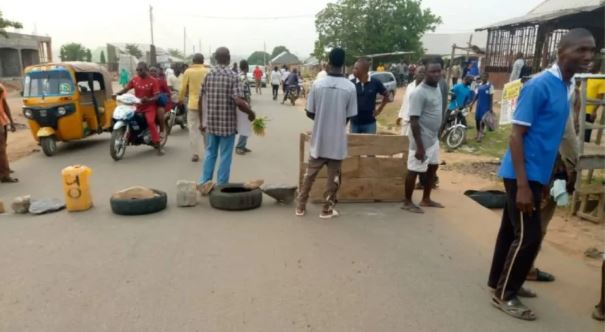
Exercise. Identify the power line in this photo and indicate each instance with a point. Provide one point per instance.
(245, 18)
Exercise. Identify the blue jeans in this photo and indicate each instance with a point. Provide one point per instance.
(368, 128)
(241, 143)
(218, 147)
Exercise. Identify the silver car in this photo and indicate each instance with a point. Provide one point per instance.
(388, 80)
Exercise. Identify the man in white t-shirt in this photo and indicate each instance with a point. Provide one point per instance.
(275, 81)
(403, 119)
(331, 103)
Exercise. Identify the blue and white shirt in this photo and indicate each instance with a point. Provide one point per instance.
(543, 107)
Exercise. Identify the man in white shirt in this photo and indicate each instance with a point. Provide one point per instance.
(403, 119)
(284, 76)
(275, 81)
(323, 73)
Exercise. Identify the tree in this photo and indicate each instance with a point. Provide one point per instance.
(88, 55)
(278, 50)
(103, 60)
(175, 53)
(366, 27)
(74, 52)
(134, 50)
(4, 23)
(259, 58)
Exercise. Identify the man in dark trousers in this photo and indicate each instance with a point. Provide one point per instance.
(367, 89)
(538, 126)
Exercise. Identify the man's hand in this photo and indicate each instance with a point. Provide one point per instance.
(525, 199)
(251, 116)
(377, 112)
(202, 129)
(399, 121)
(420, 153)
(12, 127)
(144, 100)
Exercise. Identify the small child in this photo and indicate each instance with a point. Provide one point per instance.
(243, 124)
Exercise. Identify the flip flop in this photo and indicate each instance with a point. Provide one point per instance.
(9, 179)
(597, 314)
(432, 204)
(542, 276)
(523, 292)
(515, 308)
(412, 208)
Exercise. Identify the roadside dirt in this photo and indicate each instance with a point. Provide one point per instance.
(20, 143)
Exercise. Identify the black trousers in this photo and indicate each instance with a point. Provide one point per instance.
(517, 244)
(275, 90)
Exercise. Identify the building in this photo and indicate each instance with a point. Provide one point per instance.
(441, 43)
(19, 51)
(537, 34)
(285, 58)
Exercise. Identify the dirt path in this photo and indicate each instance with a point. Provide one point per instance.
(20, 143)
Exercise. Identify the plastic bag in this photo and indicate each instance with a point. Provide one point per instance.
(128, 99)
(490, 121)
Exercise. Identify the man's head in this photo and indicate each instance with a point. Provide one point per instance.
(576, 51)
(420, 74)
(222, 56)
(142, 69)
(295, 71)
(336, 59)
(198, 59)
(519, 56)
(243, 66)
(433, 67)
(468, 80)
(257, 67)
(361, 69)
(484, 77)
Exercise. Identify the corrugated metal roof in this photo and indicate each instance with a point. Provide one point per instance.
(285, 58)
(441, 43)
(548, 10)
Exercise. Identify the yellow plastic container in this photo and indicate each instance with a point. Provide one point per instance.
(76, 188)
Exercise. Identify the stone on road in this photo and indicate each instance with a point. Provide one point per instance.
(375, 268)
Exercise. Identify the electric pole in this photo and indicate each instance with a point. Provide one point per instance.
(151, 22)
(184, 42)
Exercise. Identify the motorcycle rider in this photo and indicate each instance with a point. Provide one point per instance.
(462, 96)
(291, 82)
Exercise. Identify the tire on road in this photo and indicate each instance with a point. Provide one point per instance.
(234, 197)
(49, 145)
(133, 207)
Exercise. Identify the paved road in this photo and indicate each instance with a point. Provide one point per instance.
(197, 269)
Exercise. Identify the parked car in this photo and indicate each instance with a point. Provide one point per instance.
(387, 79)
(251, 79)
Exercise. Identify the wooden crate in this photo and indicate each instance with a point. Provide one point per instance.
(374, 171)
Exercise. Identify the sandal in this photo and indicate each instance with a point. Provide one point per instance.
(411, 207)
(541, 276)
(8, 179)
(523, 292)
(598, 314)
(515, 308)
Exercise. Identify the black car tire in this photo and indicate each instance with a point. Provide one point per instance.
(49, 145)
(133, 207)
(234, 197)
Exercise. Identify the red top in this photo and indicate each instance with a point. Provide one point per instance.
(144, 87)
(258, 74)
(163, 84)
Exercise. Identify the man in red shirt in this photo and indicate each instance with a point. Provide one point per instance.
(147, 89)
(258, 76)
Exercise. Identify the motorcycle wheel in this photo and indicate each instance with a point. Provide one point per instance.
(49, 145)
(117, 148)
(455, 138)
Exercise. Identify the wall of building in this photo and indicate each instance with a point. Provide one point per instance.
(19, 51)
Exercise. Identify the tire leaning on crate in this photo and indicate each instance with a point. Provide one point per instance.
(235, 201)
(133, 207)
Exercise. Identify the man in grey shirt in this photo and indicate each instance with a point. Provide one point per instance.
(426, 112)
(517, 67)
(331, 103)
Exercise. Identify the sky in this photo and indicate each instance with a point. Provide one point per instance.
(242, 25)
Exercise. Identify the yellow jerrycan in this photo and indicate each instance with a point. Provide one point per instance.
(77, 188)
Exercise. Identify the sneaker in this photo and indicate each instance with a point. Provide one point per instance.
(240, 151)
(247, 150)
(329, 214)
(300, 212)
(205, 188)
(195, 158)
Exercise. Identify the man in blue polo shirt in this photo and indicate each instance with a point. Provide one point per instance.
(367, 89)
(538, 125)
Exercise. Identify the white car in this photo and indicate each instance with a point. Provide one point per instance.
(387, 79)
(251, 79)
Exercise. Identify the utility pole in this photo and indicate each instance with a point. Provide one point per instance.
(151, 22)
(184, 41)
(199, 45)
(265, 54)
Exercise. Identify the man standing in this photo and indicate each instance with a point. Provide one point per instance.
(147, 89)
(403, 119)
(484, 96)
(331, 103)
(284, 76)
(517, 67)
(191, 86)
(275, 81)
(367, 89)
(538, 126)
(425, 114)
(456, 72)
(258, 76)
(243, 124)
(403, 72)
(224, 95)
(6, 124)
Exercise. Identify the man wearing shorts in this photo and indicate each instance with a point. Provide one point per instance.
(425, 114)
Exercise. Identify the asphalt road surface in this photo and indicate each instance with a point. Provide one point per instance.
(376, 268)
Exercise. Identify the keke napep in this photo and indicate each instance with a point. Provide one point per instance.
(67, 101)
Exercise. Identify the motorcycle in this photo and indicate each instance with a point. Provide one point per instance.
(129, 127)
(454, 132)
(176, 116)
(293, 94)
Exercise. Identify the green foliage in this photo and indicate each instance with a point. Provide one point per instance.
(74, 52)
(88, 55)
(103, 60)
(259, 58)
(134, 50)
(278, 50)
(366, 27)
(175, 53)
(4, 23)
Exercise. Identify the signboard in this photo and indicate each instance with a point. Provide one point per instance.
(510, 94)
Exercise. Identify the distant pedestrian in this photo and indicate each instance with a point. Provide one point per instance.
(258, 76)
(331, 103)
(367, 90)
(484, 96)
(380, 68)
(403, 119)
(456, 72)
(595, 89)
(403, 73)
(124, 77)
(292, 81)
(234, 68)
(224, 95)
(323, 73)
(284, 76)
(517, 67)
(425, 114)
(462, 95)
(6, 124)
(539, 122)
(243, 123)
(275, 81)
(191, 85)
